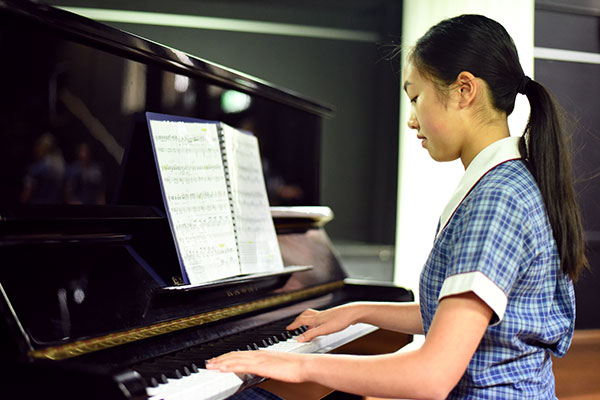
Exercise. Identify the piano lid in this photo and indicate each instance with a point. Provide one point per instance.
(102, 36)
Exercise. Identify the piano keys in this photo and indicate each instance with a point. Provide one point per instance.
(90, 294)
(183, 378)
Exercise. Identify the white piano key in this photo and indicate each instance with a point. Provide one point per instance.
(202, 385)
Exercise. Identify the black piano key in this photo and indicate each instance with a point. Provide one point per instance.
(187, 362)
(183, 366)
(174, 373)
(262, 343)
(151, 381)
(168, 368)
(152, 376)
(300, 330)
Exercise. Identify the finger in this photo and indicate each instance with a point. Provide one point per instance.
(314, 332)
(241, 362)
(230, 365)
(231, 355)
(223, 360)
(305, 318)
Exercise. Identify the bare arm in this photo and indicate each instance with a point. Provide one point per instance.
(399, 317)
(429, 372)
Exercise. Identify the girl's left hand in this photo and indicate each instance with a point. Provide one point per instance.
(285, 367)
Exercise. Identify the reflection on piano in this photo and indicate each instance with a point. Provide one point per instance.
(89, 295)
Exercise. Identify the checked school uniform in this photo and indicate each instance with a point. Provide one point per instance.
(495, 240)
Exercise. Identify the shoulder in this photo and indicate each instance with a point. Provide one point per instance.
(511, 184)
(505, 200)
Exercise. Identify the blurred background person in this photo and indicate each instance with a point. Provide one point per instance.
(43, 181)
(84, 179)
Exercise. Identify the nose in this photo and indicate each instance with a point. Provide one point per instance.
(412, 121)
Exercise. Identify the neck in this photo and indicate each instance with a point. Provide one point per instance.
(481, 137)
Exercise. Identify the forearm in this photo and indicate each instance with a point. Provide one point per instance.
(428, 372)
(406, 375)
(399, 317)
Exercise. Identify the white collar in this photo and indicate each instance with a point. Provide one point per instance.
(495, 154)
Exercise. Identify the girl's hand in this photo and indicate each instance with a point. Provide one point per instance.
(325, 322)
(285, 367)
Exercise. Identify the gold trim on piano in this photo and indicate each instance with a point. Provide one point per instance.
(85, 346)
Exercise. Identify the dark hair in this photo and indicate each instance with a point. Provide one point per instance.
(482, 46)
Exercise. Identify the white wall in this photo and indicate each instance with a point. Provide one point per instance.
(424, 186)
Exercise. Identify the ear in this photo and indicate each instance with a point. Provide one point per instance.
(467, 87)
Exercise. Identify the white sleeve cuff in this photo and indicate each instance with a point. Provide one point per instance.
(482, 286)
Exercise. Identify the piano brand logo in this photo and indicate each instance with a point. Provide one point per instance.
(177, 280)
(240, 291)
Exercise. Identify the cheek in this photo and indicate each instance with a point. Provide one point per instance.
(433, 125)
(438, 122)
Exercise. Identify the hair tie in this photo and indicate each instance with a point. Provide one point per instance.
(523, 84)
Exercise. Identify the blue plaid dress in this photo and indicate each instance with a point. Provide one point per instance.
(498, 244)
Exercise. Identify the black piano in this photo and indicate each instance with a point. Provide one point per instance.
(91, 291)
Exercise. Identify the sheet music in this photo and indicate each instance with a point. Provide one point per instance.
(188, 157)
(257, 240)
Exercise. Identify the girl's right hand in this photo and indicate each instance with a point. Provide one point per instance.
(324, 322)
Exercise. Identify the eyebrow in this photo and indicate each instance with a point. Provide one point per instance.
(406, 85)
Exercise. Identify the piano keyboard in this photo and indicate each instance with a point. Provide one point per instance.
(182, 375)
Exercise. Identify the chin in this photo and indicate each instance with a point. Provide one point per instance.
(441, 157)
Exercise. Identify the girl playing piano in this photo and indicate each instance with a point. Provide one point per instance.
(496, 293)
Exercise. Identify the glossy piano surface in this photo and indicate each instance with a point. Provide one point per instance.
(86, 250)
(74, 90)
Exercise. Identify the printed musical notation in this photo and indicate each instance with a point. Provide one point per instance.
(196, 195)
(257, 241)
(216, 199)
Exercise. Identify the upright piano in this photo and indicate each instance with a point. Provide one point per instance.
(90, 285)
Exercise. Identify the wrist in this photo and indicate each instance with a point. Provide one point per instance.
(358, 311)
(307, 367)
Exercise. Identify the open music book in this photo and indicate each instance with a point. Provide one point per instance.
(215, 196)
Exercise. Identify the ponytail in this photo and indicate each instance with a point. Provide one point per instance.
(545, 148)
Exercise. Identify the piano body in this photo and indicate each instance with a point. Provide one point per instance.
(90, 294)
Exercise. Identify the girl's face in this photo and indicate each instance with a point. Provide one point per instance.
(435, 120)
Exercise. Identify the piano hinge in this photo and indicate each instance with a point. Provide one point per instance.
(85, 346)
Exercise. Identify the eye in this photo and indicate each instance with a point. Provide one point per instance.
(414, 99)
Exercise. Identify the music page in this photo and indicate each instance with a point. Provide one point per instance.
(188, 157)
(257, 240)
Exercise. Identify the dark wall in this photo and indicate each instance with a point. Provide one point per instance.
(359, 145)
(576, 86)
